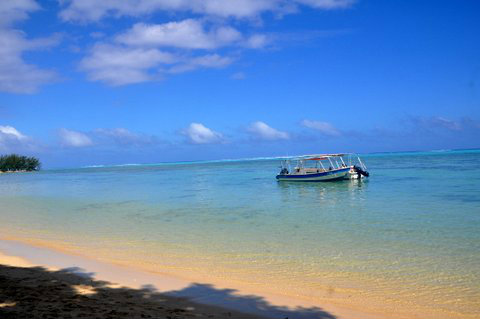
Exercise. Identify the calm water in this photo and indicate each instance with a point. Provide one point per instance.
(408, 237)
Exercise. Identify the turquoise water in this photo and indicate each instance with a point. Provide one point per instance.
(408, 237)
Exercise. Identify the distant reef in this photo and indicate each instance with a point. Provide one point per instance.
(18, 163)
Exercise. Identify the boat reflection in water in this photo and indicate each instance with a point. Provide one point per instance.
(348, 192)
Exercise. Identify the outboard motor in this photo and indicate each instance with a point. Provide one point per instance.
(360, 171)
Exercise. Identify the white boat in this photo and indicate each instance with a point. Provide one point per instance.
(310, 168)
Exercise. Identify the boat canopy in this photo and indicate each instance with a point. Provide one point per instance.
(320, 157)
(335, 160)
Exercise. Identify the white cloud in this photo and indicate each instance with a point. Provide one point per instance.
(11, 11)
(118, 65)
(16, 75)
(186, 34)
(322, 127)
(11, 132)
(94, 10)
(257, 41)
(197, 133)
(13, 140)
(211, 61)
(74, 138)
(262, 131)
(148, 52)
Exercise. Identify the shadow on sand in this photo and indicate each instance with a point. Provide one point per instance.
(71, 293)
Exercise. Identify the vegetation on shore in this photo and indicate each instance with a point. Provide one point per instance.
(17, 163)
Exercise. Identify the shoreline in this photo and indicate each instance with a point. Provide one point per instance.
(21, 171)
(21, 254)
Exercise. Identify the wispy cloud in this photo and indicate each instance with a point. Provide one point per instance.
(16, 75)
(328, 4)
(257, 41)
(238, 76)
(71, 138)
(197, 133)
(124, 137)
(92, 10)
(419, 132)
(204, 61)
(144, 52)
(12, 11)
(106, 138)
(118, 65)
(262, 131)
(148, 52)
(438, 122)
(324, 128)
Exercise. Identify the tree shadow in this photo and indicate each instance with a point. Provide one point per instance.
(229, 298)
(37, 292)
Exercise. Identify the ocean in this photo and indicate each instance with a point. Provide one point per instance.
(407, 239)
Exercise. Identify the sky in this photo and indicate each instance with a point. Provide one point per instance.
(87, 82)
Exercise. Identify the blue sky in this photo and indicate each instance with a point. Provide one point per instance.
(87, 82)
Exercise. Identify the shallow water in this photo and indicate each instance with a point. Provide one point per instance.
(408, 238)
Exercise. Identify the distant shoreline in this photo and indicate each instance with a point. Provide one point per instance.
(19, 171)
(259, 158)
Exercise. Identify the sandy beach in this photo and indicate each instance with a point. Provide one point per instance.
(41, 282)
(36, 292)
(31, 289)
(28, 291)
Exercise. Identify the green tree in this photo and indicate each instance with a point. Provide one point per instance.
(14, 162)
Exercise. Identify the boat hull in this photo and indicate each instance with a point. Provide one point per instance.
(333, 175)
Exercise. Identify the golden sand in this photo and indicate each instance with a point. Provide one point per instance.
(338, 302)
